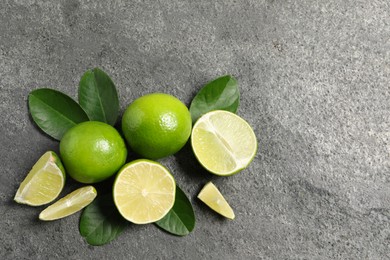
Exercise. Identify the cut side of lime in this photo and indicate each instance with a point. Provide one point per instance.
(223, 142)
(213, 198)
(144, 191)
(43, 183)
(69, 204)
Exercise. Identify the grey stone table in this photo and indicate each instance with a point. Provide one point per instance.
(315, 85)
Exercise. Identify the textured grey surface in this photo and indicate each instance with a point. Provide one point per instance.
(315, 85)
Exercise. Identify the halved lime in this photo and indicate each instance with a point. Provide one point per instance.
(43, 183)
(223, 142)
(69, 204)
(144, 191)
(213, 198)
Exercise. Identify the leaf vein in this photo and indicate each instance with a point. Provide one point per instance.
(99, 97)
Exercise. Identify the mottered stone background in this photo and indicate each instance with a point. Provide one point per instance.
(315, 85)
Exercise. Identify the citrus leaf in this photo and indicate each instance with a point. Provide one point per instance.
(180, 220)
(101, 222)
(219, 94)
(98, 96)
(54, 112)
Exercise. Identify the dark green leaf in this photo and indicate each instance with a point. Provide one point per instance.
(54, 112)
(100, 221)
(219, 94)
(98, 96)
(180, 220)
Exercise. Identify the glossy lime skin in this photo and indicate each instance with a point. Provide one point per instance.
(92, 151)
(156, 125)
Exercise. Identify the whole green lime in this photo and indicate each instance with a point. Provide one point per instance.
(156, 125)
(92, 151)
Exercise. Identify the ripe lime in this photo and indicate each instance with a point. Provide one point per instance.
(43, 183)
(156, 125)
(92, 151)
(144, 191)
(223, 142)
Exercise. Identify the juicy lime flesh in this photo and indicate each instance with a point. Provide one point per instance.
(223, 142)
(92, 151)
(144, 191)
(43, 183)
(156, 125)
(69, 204)
(213, 198)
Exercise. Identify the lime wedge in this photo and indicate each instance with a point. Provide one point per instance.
(213, 198)
(43, 183)
(144, 191)
(69, 204)
(223, 142)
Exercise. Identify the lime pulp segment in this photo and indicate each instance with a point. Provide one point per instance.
(213, 198)
(69, 204)
(43, 183)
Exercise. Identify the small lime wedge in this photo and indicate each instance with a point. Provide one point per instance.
(213, 198)
(43, 183)
(144, 191)
(69, 204)
(223, 142)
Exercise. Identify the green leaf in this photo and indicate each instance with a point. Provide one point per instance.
(180, 220)
(98, 96)
(219, 94)
(54, 112)
(101, 222)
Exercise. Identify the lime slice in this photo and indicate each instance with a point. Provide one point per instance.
(69, 204)
(223, 142)
(144, 191)
(213, 198)
(43, 183)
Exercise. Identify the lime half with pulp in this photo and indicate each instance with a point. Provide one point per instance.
(223, 142)
(144, 191)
